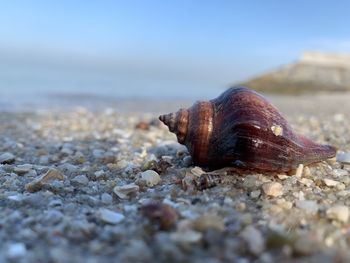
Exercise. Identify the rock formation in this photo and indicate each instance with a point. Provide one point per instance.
(314, 72)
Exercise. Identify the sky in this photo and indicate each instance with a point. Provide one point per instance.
(212, 43)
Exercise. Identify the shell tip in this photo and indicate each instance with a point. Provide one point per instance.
(168, 120)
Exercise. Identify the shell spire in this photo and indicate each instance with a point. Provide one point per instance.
(177, 123)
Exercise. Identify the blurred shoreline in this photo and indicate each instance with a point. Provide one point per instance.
(326, 103)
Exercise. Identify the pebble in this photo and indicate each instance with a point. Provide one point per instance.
(22, 169)
(126, 191)
(7, 158)
(209, 221)
(306, 181)
(330, 182)
(254, 240)
(16, 250)
(306, 245)
(150, 177)
(106, 198)
(273, 189)
(110, 217)
(160, 214)
(39, 182)
(255, 194)
(53, 216)
(338, 212)
(340, 172)
(308, 206)
(282, 176)
(343, 157)
(299, 171)
(99, 174)
(186, 237)
(284, 204)
(187, 161)
(80, 179)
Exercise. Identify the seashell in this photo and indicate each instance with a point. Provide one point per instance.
(241, 129)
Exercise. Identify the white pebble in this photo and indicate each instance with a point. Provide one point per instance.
(80, 179)
(306, 181)
(308, 206)
(330, 182)
(254, 240)
(340, 173)
(343, 157)
(106, 198)
(299, 171)
(7, 158)
(126, 190)
(186, 237)
(338, 212)
(111, 217)
(273, 189)
(151, 177)
(22, 169)
(16, 250)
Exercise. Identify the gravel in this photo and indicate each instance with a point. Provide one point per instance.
(92, 186)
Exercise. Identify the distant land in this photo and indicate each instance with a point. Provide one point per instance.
(313, 72)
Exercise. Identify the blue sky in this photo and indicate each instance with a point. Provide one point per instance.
(218, 41)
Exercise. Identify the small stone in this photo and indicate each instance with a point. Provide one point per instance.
(16, 198)
(99, 174)
(273, 189)
(16, 250)
(97, 153)
(330, 182)
(44, 160)
(126, 191)
(282, 176)
(186, 237)
(187, 161)
(299, 171)
(306, 171)
(308, 206)
(39, 182)
(255, 194)
(106, 198)
(80, 179)
(254, 240)
(209, 221)
(122, 164)
(110, 217)
(340, 187)
(23, 169)
(7, 158)
(53, 216)
(340, 173)
(161, 214)
(284, 204)
(306, 181)
(150, 177)
(338, 212)
(306, 245)
(343, 157)
(240, 206)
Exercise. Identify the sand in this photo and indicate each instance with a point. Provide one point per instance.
(85, 185)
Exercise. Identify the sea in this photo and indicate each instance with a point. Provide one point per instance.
(26, 87)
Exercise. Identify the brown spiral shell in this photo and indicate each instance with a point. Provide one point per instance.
(240, 128)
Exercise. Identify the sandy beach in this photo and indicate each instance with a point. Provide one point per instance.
(111, 184)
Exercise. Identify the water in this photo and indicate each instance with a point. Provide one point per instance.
(26, 86)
